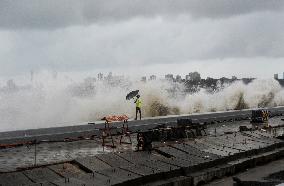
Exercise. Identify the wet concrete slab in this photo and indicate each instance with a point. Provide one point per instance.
(248, 142)
(86, 163)
(61, 151)
(41, 175)
(47, 153)
(238, 142)
(67, 170)
(191, 162)
(93, 178)
(184, 165)
(266, 136)
(232, 147)
(221, 144)
(196, 152)
(214, 148)
(14, 179)
(207, 149)
(208, 159)
(138, 169)
(74, 182)
(153, 166)
(258, 173)
(169, 161)
(157, 163)
(89, 179)
(178, 154)
(257, 136)
(91, 164)
(114, 160)
(42, 184)
(117, 175)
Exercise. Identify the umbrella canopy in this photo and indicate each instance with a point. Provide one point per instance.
(132, 94)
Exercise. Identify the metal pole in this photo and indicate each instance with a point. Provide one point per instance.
(35, 152)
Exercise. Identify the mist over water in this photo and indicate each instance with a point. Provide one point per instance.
(59, 100)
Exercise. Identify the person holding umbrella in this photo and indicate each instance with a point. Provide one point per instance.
(138, 103)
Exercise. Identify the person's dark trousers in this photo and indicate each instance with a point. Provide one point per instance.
(138, 110)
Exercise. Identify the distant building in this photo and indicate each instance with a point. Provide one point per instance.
(234, 78)
(209, 78)
(89, 82)
(187, 77)
(153, 77)
(224, 79)
(178, 78)
(144, 79)
(32, 75)
(169, 77)
(11, 84)
(276, 76)
(100, 76)
(54, 74)
(109, 76)
(193, 76)
(247, 80)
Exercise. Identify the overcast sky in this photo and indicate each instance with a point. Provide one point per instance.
(216, 37)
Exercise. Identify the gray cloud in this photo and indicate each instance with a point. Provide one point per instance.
(139, 42)
(71, 35)
(52, 14)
